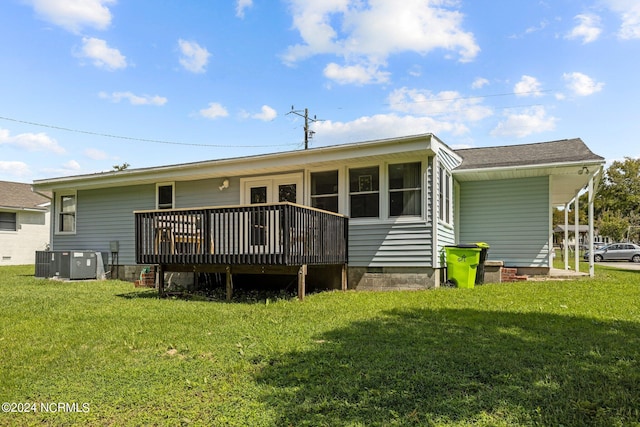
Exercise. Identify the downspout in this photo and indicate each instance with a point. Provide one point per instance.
(434, 223)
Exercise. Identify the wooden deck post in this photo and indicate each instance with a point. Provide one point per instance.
(344, 277)
(302, 274)
(160, 278)
(229, 283)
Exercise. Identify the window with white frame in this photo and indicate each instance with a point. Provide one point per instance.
(164, 196)
(444, 194)
(364, 192)
(324, 190)
(8, 221)
(67, 206)
(405, 189)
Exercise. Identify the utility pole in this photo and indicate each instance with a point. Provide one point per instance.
(307, 133)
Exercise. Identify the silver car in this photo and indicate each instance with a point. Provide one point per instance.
(616, 252)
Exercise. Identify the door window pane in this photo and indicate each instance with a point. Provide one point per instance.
(287, 193)
(258, 195)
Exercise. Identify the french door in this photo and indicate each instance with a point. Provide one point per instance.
(264, 225)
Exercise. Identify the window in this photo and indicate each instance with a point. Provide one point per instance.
(444, 195)
(165, 196)
(67, 213)
(8, 221)
(364, 192)
(405, 190)
(324, 190)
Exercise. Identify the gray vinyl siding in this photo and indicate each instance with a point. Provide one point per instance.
(400, 244)
(106, 215)
(446, 237)
(206, 192)
(512, 215)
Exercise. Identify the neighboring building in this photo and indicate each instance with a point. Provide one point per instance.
(24, 223)
(583, 236)
(406, 199)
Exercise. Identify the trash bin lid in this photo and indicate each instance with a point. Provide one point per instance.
(483, 245)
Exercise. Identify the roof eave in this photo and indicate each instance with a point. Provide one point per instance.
(273, 163)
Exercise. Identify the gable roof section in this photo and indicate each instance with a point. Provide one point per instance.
(542, 153)
(19, 196)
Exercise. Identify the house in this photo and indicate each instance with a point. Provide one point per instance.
(24, 223)
(583, 236)
(399, 202)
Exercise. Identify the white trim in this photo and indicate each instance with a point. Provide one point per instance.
(173, 193)
(271, 182)
(17, 222)
(341, 177)
(58, 207)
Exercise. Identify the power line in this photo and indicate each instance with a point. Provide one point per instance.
(130, 138)
(307, 133)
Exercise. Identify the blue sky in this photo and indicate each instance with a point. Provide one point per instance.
(88, 84)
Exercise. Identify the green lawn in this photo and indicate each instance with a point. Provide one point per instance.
(533, 353)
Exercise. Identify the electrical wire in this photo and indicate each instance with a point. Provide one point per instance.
(129, 138)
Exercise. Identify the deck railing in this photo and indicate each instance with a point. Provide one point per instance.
(267, 234)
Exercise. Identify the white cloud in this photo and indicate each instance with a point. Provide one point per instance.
(101, 54)
(73, 15)
(581, 84)
(479, 82)
(134, 99)
(266, 114)
(14, 168)
(629, 11)
(367, 33)
(588, 28)
(447, 105)
(527, 86)
(532, 120)
(31, 141)
(382, 126)
(355, 74)
(72, 165)
(194, 57)
(241, 6)
(214, 111)
(95, 154)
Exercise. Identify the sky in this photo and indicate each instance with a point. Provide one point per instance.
(86, 85)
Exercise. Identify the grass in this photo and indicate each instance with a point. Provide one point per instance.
(537, 353)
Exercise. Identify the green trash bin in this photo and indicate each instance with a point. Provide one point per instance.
(462, 263)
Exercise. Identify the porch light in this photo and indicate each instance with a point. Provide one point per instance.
(225, 184)
(584, 170)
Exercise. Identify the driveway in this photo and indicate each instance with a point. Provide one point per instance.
(621, 265)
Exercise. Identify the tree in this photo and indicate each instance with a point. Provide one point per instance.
(620, 189)
(121, 167)
(613, 225)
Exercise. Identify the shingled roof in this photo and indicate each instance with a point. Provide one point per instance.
(16, 195)
(542, 153)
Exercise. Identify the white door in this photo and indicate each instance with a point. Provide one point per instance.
(263, 234)
(274, 189)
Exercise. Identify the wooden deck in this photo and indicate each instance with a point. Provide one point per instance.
(281, 238)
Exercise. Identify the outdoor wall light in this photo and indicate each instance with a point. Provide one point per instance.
(583, 170)
(225, 184)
